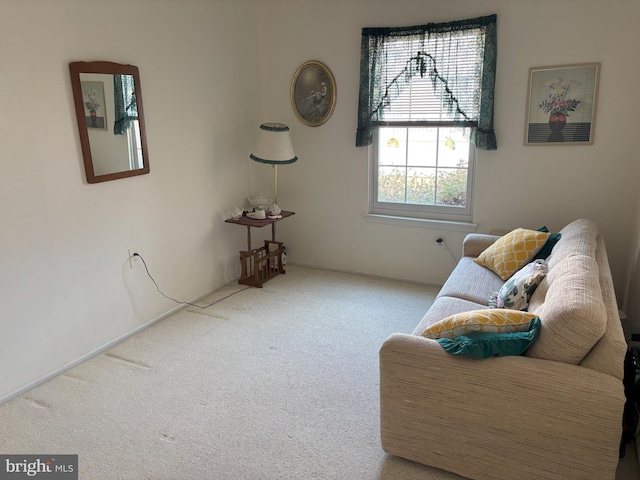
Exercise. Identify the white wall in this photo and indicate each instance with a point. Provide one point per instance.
(631, 305)
(65, 284)
(515, 185)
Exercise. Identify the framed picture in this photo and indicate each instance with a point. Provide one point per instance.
(561, 107)
(313, 93)
(94, 105)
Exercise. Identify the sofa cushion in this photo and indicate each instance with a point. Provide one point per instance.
(573, 314)
(442, 308)
(512, 251)
(497, 320)
(577, 238)
(485, 345)
(606, 353)
(472, 282)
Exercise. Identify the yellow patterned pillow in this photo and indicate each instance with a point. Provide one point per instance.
(495, 320)
(512, 251)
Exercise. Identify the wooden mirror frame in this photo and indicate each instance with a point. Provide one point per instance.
(109, 68)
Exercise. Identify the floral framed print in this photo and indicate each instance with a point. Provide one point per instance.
(313, 93)
(94, 104)
(561, 107)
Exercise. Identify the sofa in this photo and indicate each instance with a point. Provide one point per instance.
(552, 412)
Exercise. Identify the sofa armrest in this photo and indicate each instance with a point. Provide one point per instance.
(476, 243)
(501, 417)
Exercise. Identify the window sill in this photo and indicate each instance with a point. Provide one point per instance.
(421, 223)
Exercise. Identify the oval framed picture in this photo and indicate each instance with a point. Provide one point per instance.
(313, 93)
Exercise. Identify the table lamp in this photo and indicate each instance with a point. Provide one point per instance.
(274, 148)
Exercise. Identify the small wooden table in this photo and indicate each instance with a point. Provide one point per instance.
(263, 263)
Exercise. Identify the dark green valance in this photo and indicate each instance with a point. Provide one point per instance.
(458, 57)
(126, 108)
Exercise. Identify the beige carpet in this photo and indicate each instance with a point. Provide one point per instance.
(272, 383)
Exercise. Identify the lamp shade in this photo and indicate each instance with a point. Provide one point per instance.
(274, 145)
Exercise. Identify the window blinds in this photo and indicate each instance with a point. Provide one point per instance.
(422, 99)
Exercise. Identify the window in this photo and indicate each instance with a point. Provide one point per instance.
(423, 172)
(426, 104)
(135, 146)
(125, 105)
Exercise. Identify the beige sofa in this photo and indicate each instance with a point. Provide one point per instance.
(553, 413)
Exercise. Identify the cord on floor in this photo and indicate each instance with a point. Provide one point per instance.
(178, 301)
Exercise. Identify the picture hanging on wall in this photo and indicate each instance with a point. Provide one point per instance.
(94, 105)
(561, 107)
(313, 93)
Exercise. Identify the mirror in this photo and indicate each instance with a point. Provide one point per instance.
(108, 101)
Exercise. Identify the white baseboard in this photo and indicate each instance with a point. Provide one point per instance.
(69, 365)
(364, 274)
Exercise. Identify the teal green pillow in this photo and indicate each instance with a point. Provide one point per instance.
(545, 251)
(485, 345)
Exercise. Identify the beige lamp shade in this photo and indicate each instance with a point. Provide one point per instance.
(274, 145)
(274, 148)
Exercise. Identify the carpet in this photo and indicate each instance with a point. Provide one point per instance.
(272, 383)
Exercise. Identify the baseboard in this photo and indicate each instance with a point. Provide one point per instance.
(67, 366)
(364, 274)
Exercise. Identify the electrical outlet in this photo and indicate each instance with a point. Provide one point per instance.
(134, 260)
(439, 239)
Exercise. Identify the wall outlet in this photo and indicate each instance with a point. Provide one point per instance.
(134, 260)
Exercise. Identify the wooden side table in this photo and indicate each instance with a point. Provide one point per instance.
(263, 263)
